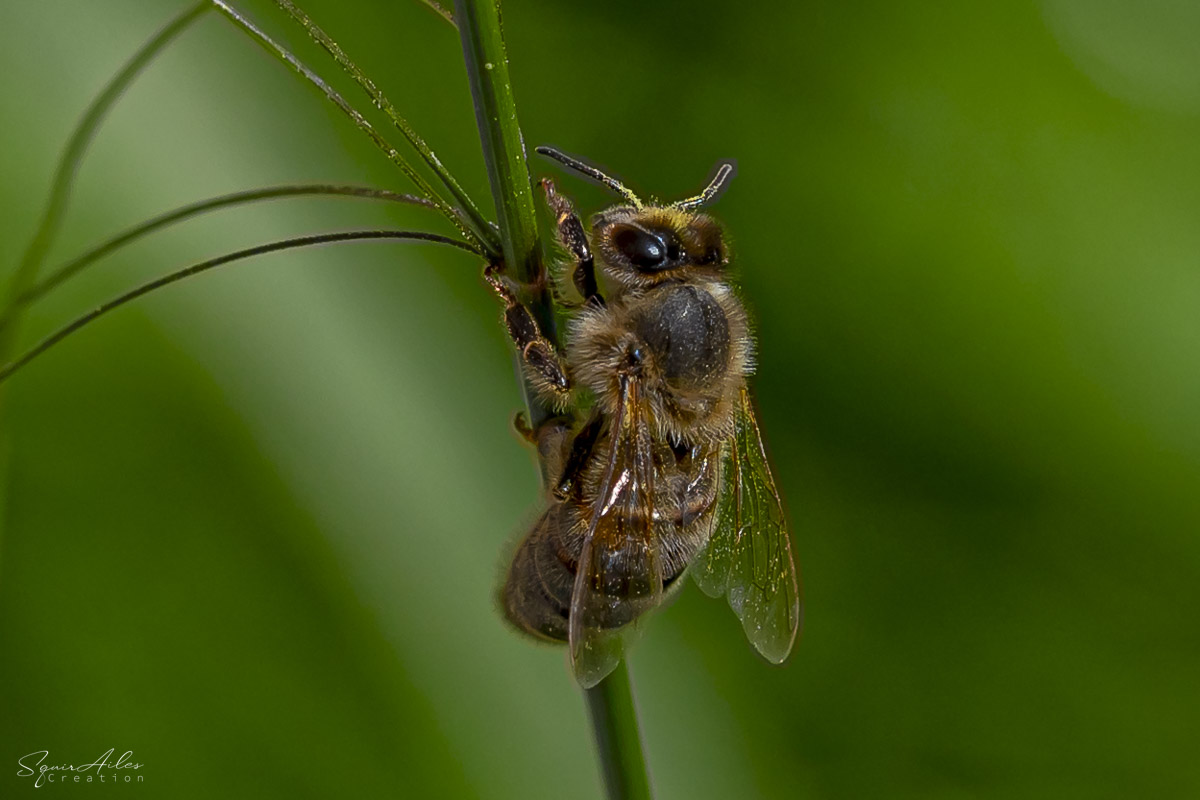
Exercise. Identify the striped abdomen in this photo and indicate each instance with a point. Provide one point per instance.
(537, 592)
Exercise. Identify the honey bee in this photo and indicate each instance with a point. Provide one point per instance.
(655, 460)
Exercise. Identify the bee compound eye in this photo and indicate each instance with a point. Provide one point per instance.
(643, 249)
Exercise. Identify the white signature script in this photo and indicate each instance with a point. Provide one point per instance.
(78, 773)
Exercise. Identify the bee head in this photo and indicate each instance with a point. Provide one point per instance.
(648, 245)
(642, 244)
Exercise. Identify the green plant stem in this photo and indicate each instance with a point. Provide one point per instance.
(618, 740)
(504, 152)
(610, 703)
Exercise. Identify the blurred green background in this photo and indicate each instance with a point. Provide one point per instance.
(255, 522)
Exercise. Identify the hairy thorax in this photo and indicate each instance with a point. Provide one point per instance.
(690, 343)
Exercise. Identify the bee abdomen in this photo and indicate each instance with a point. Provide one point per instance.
(537, 591)
(541, 579)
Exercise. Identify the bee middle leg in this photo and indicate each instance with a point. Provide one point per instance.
(545, 367)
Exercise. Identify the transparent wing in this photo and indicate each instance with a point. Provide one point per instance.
(749, 555)
(619, 576)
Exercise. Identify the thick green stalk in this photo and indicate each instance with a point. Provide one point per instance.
(618, 740)
(610, 703)
(504, 151)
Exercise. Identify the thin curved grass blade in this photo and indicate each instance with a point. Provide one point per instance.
(286, 244)
(68, 164)
(362, 123)
(81, 262)
(441, 11)
(479, 223)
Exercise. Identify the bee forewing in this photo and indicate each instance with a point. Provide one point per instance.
(619, 575)
(605, 620)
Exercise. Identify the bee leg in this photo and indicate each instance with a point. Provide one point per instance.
(543, 365)
(553, 441)
(521, 427)
(572, 237)
(580, 454)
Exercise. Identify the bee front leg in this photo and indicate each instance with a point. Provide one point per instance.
(570, 234)
(545, 368)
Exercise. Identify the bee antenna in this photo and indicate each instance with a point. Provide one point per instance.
(591, 172)
(725, 171)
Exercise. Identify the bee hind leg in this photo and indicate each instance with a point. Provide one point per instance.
(522, 428)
